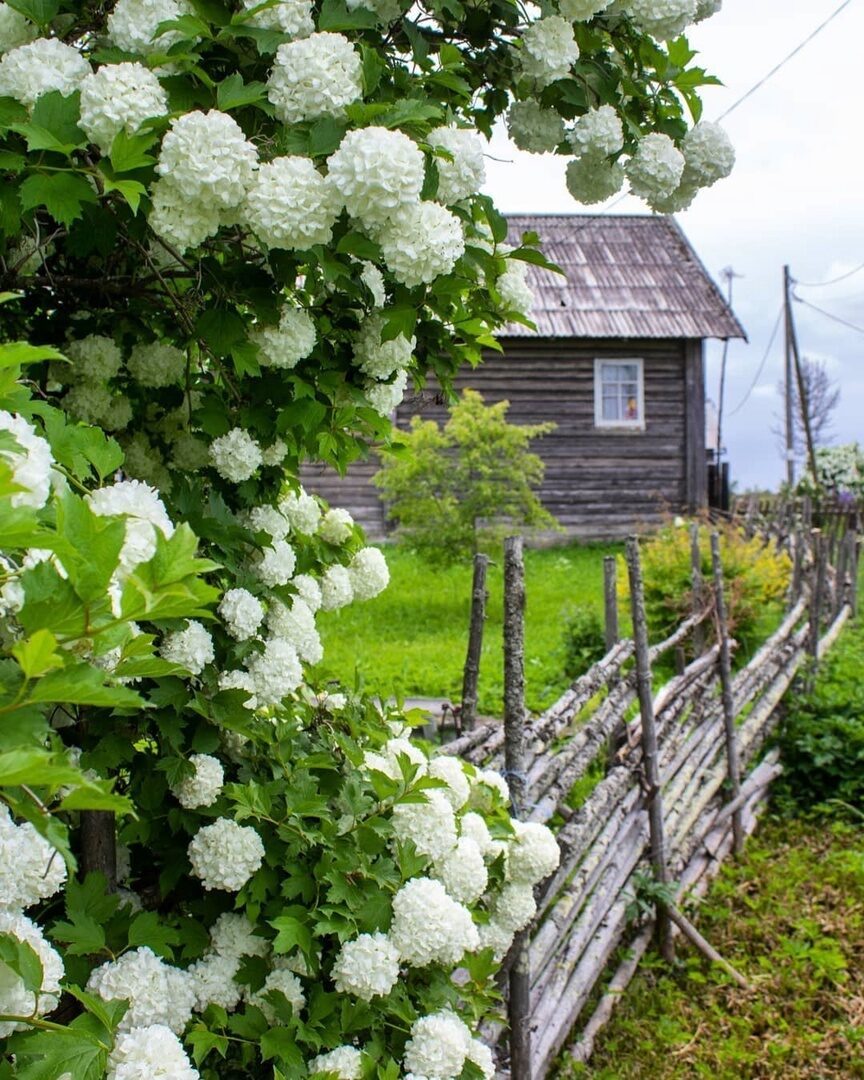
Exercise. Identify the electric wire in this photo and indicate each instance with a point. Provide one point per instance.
(833, 281)
(761, 368)
(828, 315)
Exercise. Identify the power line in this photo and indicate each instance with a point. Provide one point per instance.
(833, 281)
(785, 60)
(758, 375)
(828, 315)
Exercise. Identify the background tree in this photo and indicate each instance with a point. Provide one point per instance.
(823, 396)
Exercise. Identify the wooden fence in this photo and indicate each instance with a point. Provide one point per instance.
(683, 779)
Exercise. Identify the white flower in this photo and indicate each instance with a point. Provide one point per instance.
(31, 464)
(480, 1054)
(37, 68)
(367, 967)
(285, 345)
(242, 612)
(142, 461)
(496, 937)
(335, 588)
(599, 133)
(275, 672)
(302, 511)
(381, 359)
(430, 928)
(438, 1046)
(421, 242)
(297, 626)
(291, 205)
(514, 907)
(706, 8)
(15, 998)
(225, 855)
(95, 359)
(336, 526)
(590, 181)
(239, 680)
(274, 454)
(202, 788)
(466, 173)
(132, 24)
(533, 854)
(277, 564)
(709, 155)
(449, 769)
(516, 294)
(473, 826)
(189, 453)
(287, 983)
(463, 872)
(118, 414)
(549, 50)
(388, 762)
(208, 159)
(232, 935)
(308, 590)
(156, 364)
(267, 519)
(214, 980)
(488, 778)
(30, 868)
(157, 993)
(655, 169)
(317, 76)
(430, 825)
(235, 456)
(15, 29)
(377, 172)
(369, 573)
(345, 1062)
(191, 648)
(388, 11)
(582, 10)
(145, 516)
(292, 17)
(384, 398)
(88, 403)
(183, 223)
(373, 279)
(663, 19)
(148, 1053)
(534, 128)
(119, 97)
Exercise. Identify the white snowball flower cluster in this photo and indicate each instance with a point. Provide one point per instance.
(590, 181)
(285, 345)
(709, 155)
(534, 128)
(335, 588)
(267, 519)
(465, 172)
(487, 780)
(274, 454)
(206, 157)
(429, 927)
(142, 461)
(31, 463)
(308, 590)
(438, 1046)
(377, 172)
(296, 624)
(178, 221)
(549, 50)
(275, 672)
(449, 769)
(421, 242)
(384, 398)
(119, 97)
(15, 998)
(336, 526)
(655, 169)
(367, 967)
(463, 872)
(214, 980)
(480, 1055)
(292, 17)
(291, 205)
(429, 825)
(388, 762)
(346, 1062)
(533, 854)
(30, 868)
(515, 292)
(156, 364)
(597, 134)
(15, 29)
(373, 279)
(132, 24)
(316, 76)
(149, 1052)
(145, 515)
(706, 8)
(94, 359)
(191, 648)
(663, 19)
(233, 935)
(236, 456)
(302, 511)
(380, 359)
(202, 788)
(276, 565)
(225, 855)
(582, 10)
(514, 907)
(242, 613)
(287, 983)
(157, 992)
(369, 573)
(38, 68)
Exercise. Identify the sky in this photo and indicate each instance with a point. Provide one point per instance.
(794, 198)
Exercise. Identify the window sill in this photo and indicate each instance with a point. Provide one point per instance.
(620, 429)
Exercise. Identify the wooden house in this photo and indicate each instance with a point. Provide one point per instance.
(616, 361)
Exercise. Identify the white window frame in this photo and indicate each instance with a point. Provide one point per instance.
(620, 425)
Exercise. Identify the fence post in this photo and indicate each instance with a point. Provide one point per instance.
(856, 557)
(519, 1000)
(732, 761)
(650, 766)
(818, 543)
(471, 674)
(840, 572)
(797, 566)
(697, 588)
(610, 601)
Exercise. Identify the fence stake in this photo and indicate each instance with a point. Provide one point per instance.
(650, 766)
(840, 585)
(797, 541)
(471, 675)
(856, 557)
(519, 1001)
(732, 760)
(818, 544)
(696, 588)
(610, 600)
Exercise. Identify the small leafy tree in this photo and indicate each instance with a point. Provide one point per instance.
(453, 488)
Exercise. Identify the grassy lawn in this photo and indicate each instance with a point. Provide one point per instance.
(791, 918)
(411, 640)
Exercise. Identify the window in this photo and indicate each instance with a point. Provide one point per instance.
(619, 394)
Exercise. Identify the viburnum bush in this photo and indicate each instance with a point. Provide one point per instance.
(230, 236)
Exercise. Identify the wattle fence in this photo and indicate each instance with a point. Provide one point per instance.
(682, 777)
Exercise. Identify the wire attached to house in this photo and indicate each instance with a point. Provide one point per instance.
(761, 368)
(828, 315)
(833, 281)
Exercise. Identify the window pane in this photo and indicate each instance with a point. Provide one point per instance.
(609, 374)
(610, 408)
(628, 372)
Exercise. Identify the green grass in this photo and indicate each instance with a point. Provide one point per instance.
(411, 640)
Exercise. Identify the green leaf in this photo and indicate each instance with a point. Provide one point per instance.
(222, 329)
(82, 450)
(91, 550)
(37, 654)
(131, 190)
(292, 933)
(23, 960)
(81, 1051)
(279, 1042)
(96, 796)
(62, 194)
(90, 897)
(10, 210)
(39, 11)
(83, 685)
(536, 258)
(354, 243)
(11, 112)
(11, 162)
(336, 16)
(146, 929)
(373, 69)
(130, 152)
(110, 1013)
(82, 937)
(53, 124)
(398, 320)
(233, 93)
(325, 136)
(204, 1041)
(36, 768)
(19, 353)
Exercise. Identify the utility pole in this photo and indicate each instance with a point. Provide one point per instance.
(793, 359)
(730, 275)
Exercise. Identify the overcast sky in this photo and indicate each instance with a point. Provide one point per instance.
(795, 198)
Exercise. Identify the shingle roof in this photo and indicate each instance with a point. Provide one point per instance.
(627, 277)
